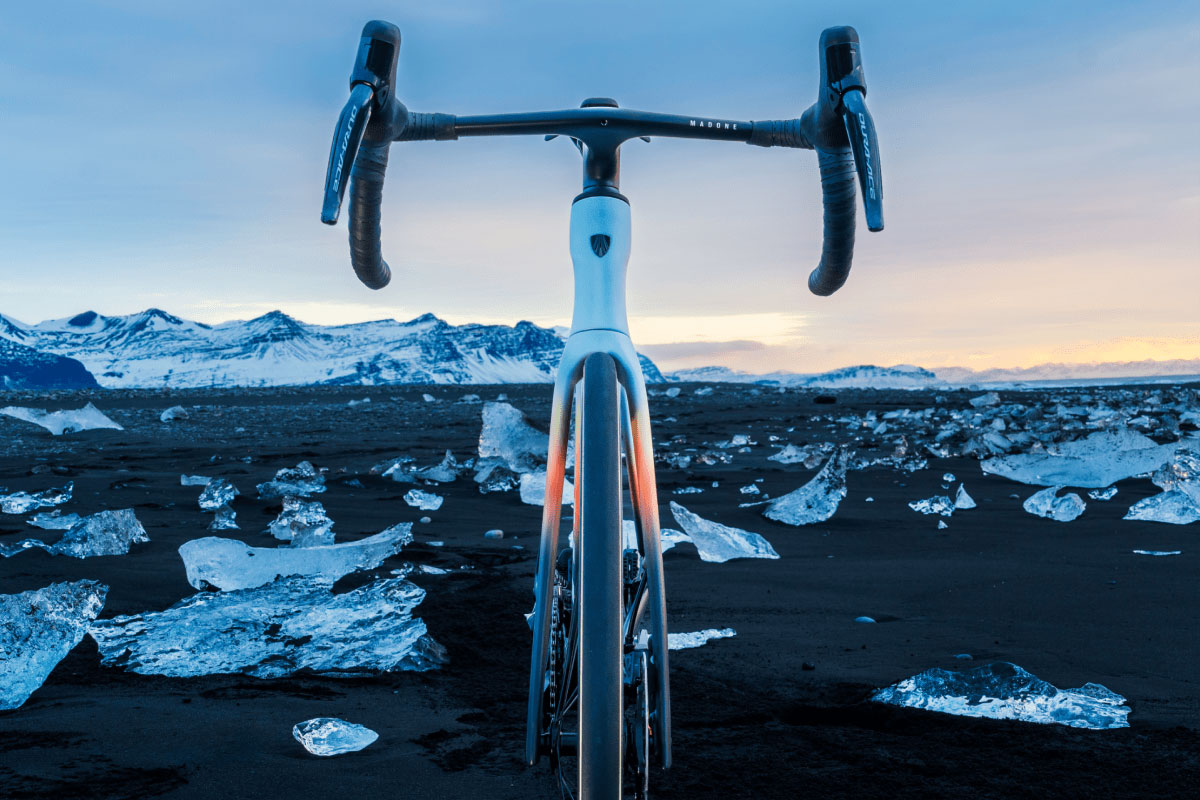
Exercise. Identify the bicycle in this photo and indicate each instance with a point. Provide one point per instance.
(598, 682)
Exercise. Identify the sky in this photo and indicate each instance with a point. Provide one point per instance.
(1041, 165)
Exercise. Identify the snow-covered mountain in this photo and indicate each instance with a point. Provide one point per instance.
(156, 349)
(862, 377)
(23, 367)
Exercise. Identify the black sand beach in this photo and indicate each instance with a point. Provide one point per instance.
(1067, 601)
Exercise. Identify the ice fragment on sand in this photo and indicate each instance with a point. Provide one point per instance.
(810, 455)
(686, 641)
(940, 504)
(329, 736)
(53, 520)
(942, 525)
(1061, 509)
(718, 543)
(750, 488)
(107, 533)
(1006, 691)
(426, 501)
(23, 502)
(949, 478)
(194, 480)
(224, 520)
(1158, 552)
(276, 630)
(1103, 494)
(352, 403)
(217, 493)
(66, 421)
(173, 413)
(864, 619)
(962, 499)
(667, 537)
(304, 523)
(300, 481)
(688, 490)
(672, 392)
(984, 400)
(428, 398)
(493, 475)
(1181, 473)
(1174, 507)
(507, 435)
(815, 501)
(445, 472)
(228, 564)
(533, 489)
(1100, 460)
(495, 533)
(37, 629)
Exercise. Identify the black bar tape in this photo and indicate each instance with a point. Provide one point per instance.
(424, 126)
(366, 196)
(837, 188)
(778, 133)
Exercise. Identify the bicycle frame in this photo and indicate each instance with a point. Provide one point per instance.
(600, 248)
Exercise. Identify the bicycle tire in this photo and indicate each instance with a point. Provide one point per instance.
(601, 651)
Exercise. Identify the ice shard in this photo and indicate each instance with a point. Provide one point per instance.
(493, 475)
(53, 520)
(37, 630)
(173, 414)
(686, 641)
(962, 499)
(718, 543)
(276, 630)
(815, 501)
(1006, 691)
(1100, 460)
(194, 480)
(445, 472)
(426, 501)
(330, 736)
(107, 533)
(507, 435)
(1174, 507)
(24, 502)
(810, 455)
(217, 493)
(304, 523)
(939, 504)
(1181, 473)
(225, 519)
(1103, 494)
(229, 564)
(667, 537)
(533, 489)
(300, 481)
(66, 421)
(1046, 503)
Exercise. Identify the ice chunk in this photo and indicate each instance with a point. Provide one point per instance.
(224, 520)
(939, 504)
(864, 619)
(718, 543)
(494, 533)
(750, 488)
(1047, 504)
(667, 537)
(24, 502)
(276, 630)
(445, 472)
(1181, 473)
(300, 481)
(1006, 691)
(942, 525)
(173, 413)
(948, 478)
(686, 641)
(493, 475)
(672, 392)
(815, 501)
(352, 403)
(1100, 460)
(194, 480)
(533, 489)
(66, 421)
(1158, 552)
(304, 523)
(329, 736)
(228, 564)
(962, 499)
(1103, 494)
(507, 435)
(810, 455)
(985, 400)
(1173, 507)
(688, 490)
(37, 630)
(107, 533)
(53, 520)
(217, 493)
(428, 398)
(426, 501)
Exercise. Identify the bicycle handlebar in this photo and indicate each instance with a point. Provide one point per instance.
(838, 127)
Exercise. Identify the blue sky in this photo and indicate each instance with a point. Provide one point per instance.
(1041, 165)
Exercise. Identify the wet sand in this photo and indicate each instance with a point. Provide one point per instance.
(1067, 601)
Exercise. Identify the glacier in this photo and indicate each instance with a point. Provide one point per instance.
(815, 501)
(1005, 691)
(230, 564)
(276, 630)
(37, 630)
(718, 543)
(330, 736)
(65, 421)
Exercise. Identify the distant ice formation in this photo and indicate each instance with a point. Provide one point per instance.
(686, 641)
(229, 564)
(718, 543)
(1097, 461)
(66, 421)
(276, 630)
(1006, 691)
(37, 630)
(106, 533)
(815, 501)
(330, 736)
(1046, 503)
(173, 414)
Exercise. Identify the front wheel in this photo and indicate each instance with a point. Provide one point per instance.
(601, 654)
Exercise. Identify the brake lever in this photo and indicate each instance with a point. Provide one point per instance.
(347, 137)
(860, 130)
